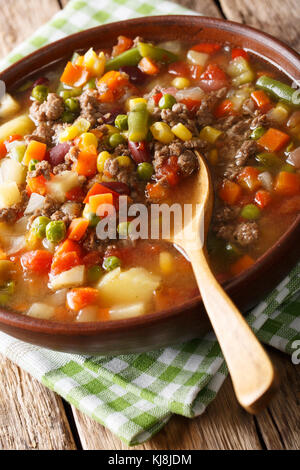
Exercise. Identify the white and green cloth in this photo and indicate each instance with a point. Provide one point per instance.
(135, 395)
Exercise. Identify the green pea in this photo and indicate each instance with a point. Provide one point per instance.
(121, 122)
(250, 212)
(91, 84)
(72, 104)
(68, 116)
(56, 231)
(40, 93)
(6, 292)
(145, 171)
(94, 273)
(124, 229)
(110, 263)
(39, 226)
(32, 164)
(69, 93)
(93, 219)
(167, 101)
(116, 139)
(257, 133)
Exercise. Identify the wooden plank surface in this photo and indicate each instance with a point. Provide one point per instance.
(224, 425)
(281, 18)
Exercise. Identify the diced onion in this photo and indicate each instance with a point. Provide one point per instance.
(194, 93)
(15, 244)
(41, 311)
(88, 314)
(266, 180)
(36, 201)
(171, 46)
(294, 158)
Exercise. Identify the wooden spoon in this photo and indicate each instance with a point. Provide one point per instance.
(252, 373)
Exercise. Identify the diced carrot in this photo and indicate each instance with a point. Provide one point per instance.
(148, 66)
(3, 150)
(38, 261)
(64, 262)
(237, 52)
(102, 200)
(261, 100)
(3, 255)
(124, 43)
(230, 192)
(99, 188)
(103, 314)
(156, 191)
(274, 140)
(224, 109)
(77, 228)
(35, 151)
(263, 198)
(37, 185)
(14, 137)
(67, 246)
(169, 170)
(242, 264)
(112, 84)
(74, 75)
(81, 297)
(287, 184)
(75, 194)
(86, 164)
(206, 47)
(248, 178)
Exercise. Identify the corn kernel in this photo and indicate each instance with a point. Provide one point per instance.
(180, 83)
(166, 262)
(101, 159)
(210, 134)
(162, 132)
(124, 161)
(93, 62)
(280, 113)
(213, 157)
(69, 133)
(82, 125)
(182, 132)
(87, 139)
(86, 211)
(111, 129)
(133, 101)
(32, 241)
(79, 61)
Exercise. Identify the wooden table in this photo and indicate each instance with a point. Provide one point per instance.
(52, 423)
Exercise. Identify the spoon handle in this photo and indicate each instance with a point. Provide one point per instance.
(252, 373)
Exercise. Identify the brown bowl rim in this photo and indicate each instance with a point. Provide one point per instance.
(85, 328)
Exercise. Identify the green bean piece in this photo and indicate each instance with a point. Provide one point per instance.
(156, 53)
(250, 212)
(145, 171)
(90, 84)
(288, 168)
(25, 86)
(56, 231)
(66, 93)
(124, 229)
(93, 219)
(138, 122)
(110, 263)
(269, 160)
(40, 93)
(116, 139)
(94, 273)
(68, 116)
(167, 101)
(121, 122)
(39, 226)
(257, 133)
(130, 57)
(279, 90)
(72, 104)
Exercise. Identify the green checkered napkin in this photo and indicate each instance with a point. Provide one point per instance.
(135, 395)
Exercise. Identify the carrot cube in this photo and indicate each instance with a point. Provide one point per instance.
(35, 151)
(274, 140)
(78, 228)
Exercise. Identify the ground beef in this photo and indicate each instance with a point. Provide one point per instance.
(227, 122)
(72, 155)
(90, 106)
(12, 213)
(233, 138)
(204, 114)
(226, 214)
(122, 174)
(179, 114)
(67, 212)
(248, 107)
(91, 242)
(156, 113)
(41, 168)
(50, 110)
(50, 206)
(187, 162)
(121, 149)
(231, 171)
(260, 120)
(245, 233)
(246, 151)
(43, 133)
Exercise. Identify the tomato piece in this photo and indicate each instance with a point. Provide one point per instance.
(169, 170)
(124, 43)
(237, 52)
(196, 71)
(64, 262)
(75, 194)
(207, 47)
(38, 261)
(157, 97)
(82, 297)
(92, 258)
(213, 78)
(192, 105)
(3, 150)
(225, 108)
(230, 192)
(248, 178)
(263, 198)
(179, 68)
